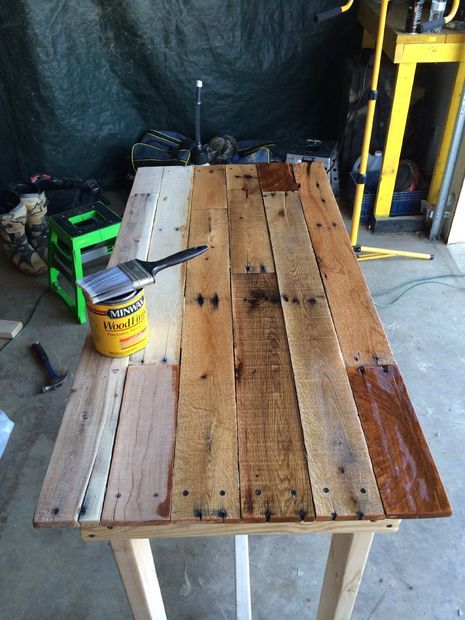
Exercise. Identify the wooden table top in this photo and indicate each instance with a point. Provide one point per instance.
(268, 394)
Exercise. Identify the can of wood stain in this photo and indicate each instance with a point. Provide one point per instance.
(119, 326)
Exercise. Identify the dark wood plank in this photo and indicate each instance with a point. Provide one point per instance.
(359, 330)
(407, 477)
(140, 480)
(273, 470)
(276, 177)
(206, 470)
(343, 483)
(250, 243)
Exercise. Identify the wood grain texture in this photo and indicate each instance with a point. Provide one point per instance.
(209, 191)
(134, 237)
(407, 477)
(250, 244)
(137, 571)
(342, 479)
(140, 480)
(272, 465)
(95, 396)
(276, 177)
(359, 330)
(205, 471)
(185, 529)
(82, 452)
(165, 298)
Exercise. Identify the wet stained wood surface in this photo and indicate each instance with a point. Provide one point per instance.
(268, 394)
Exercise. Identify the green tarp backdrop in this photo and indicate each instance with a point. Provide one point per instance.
(81, 80)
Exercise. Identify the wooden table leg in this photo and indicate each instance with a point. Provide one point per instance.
(346, 562)
(242, 573)
(137, 570)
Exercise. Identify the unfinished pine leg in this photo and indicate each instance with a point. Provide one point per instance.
(137, 570)
(346, 562)
(241, 562)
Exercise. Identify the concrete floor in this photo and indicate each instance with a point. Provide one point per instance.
(417, 573)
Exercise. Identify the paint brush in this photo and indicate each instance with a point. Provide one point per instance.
(131, 276)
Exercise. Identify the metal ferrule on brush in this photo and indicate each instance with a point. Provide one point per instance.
(137, 274)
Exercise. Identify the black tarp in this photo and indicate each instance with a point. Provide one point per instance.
(81, 80)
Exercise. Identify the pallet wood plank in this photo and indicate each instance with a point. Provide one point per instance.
(205, 471)
(407, 477)
(342, 479)
(87, 430)
(273, 469)
(142, 203)
(276, 177)
(209, 191)
(165, 298)
(250, 244)
(140, 480)
(358, 327)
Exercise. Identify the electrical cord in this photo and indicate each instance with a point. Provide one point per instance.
(350, 114)
(417, 282)
(34, 308)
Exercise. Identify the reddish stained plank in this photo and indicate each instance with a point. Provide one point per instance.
(276, 177)
(407, 477)
(140, 480)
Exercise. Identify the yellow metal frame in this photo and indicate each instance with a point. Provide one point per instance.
(407, 50)
(403, 87)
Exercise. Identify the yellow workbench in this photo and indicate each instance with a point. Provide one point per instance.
(407, 50)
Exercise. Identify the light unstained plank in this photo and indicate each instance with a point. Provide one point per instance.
(359, 330)
(276, 177)
(273, 469)
(94, 398)
(165, 298)
(140, 480)
(343, 483)
(209, 190)
(185, 529)
(205, 470)
(250, 244)
(132, 241)
(408, 480)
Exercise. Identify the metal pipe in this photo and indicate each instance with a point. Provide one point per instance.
(440, 208)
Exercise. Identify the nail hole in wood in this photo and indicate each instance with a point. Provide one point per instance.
(363, 490)
(258, 492)
(93, 535)
(325, 490)
(341, 470)
(293, 492)
(55, 511)
(185, 492)
(156, 494)
(118, 495)
(222, 492)
(389, 525)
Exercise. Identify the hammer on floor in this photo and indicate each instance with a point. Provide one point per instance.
(55, 379)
